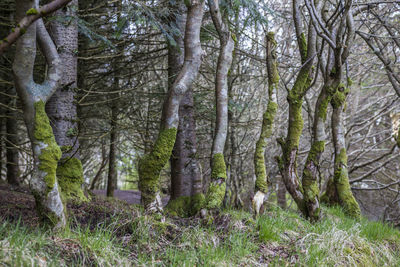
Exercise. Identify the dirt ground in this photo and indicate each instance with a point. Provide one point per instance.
(17, 203)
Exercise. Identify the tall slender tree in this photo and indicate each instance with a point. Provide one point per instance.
(216, 191)
(46, 152)
(151, 164)
(61, 107)
(261, 186)
(186, 182)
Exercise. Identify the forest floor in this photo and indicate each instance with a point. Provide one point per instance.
(107, 232)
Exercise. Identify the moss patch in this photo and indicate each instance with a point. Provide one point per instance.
(215, 195)
(32, 11)
(151, 165)
(198, 202)
(49, 155)
(218, 166)
(180, 207)
(341, 179)
(259, 160)
(70, 179)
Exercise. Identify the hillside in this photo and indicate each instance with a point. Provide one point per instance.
(112, 233)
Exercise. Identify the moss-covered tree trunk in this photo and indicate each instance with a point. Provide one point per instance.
(216, 191)
(261, 185)
(61, 107)
(46, 152)
(310, 181)
(186, 182)
(341, 175)
(151, 164)
(290, 146)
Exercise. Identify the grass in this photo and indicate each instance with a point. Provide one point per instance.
(232, 238)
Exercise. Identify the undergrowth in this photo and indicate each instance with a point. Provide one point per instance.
(125, 236)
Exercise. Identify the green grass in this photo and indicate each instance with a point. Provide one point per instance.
(277, 238)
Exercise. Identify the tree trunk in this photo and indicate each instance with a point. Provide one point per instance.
(112, 162)
(61, 107)
(290, 146)
(151, 164)
(186, 182)
(46, 152)
(12, 141)
(281, 194)
(261, 186)
(341, 175)
(216, 191)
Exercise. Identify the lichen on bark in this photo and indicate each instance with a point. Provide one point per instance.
(151, 165)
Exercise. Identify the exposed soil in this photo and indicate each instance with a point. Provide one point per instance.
(17, 203)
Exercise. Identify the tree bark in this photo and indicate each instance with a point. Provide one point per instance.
(12, 141)
(27, 19)
(216, 191)
(61, 107)
(186, 182)
(261, 185)
(112, 162)
(341, 175)
(151, 165)
(46, 152)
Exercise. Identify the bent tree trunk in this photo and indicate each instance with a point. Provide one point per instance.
(216, 191)
(261, 186)
(61, 107)
(46, 152)
(311, 169)
(341, 175)
(186, 184)
(151, 164)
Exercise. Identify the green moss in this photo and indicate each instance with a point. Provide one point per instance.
(32, 11)
(303, 46)
(151, 165)
(259, 160)
(215, 195)
(23, 31)
(339, 98)
(323, 108)
(341, 179)
(198, 202)
(218, 167)
(51, 153)
(310, 180)
(65, 148)
(180, 207)
(70, 179)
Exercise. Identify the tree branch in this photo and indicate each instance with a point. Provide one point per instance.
(31, 16)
